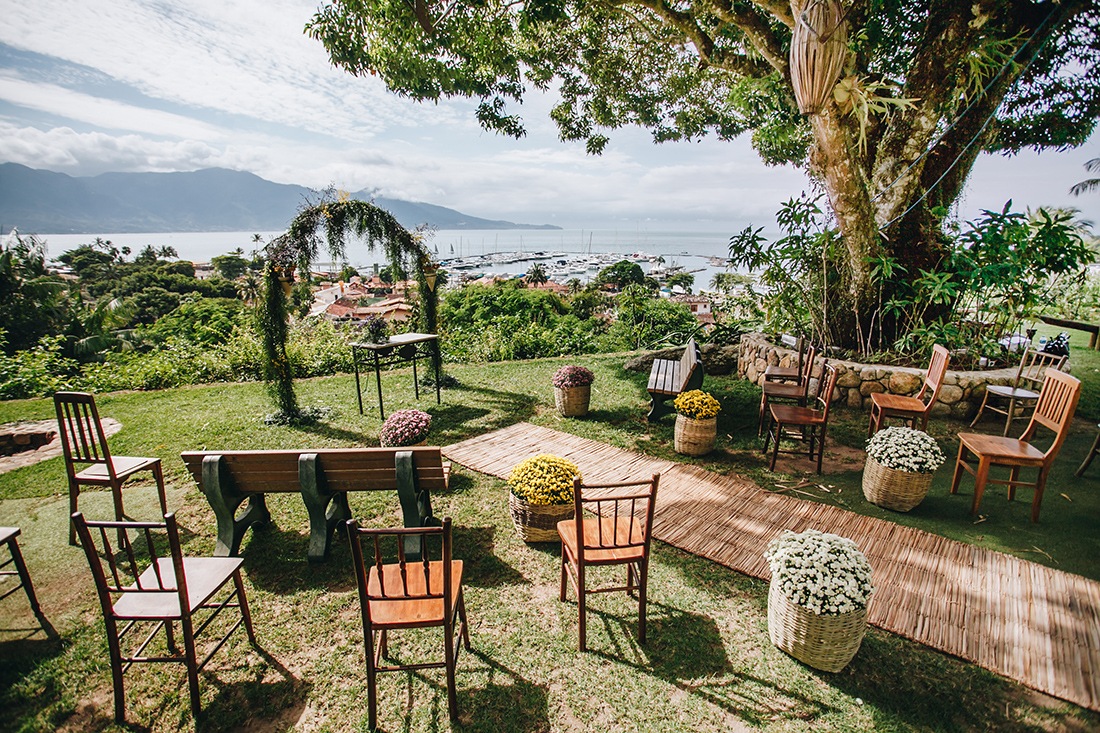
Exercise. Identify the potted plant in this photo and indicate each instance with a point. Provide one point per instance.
(817, 600)
(696, 422)
(376, 329)
(573, 390)
(405, 427)
(541, 495)
(899, 468)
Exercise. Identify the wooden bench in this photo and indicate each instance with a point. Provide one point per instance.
(323, 478)
(669, 377)
(1089, 328)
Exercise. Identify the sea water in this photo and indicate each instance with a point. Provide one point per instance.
(689, 250)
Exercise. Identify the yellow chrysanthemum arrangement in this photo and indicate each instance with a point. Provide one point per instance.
(697, 404)
(544, 479)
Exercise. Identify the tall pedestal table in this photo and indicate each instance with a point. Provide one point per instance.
(404, 348)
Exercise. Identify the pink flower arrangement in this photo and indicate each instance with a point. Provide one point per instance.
(573, 376)
(405, 427)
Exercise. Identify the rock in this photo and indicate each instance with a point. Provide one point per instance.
(950, 394)
(644, 362)
(963, 410)
(848, 379)
(868, 388)
(905, 382)
(718, 359)
(855, 399)
(940, 410)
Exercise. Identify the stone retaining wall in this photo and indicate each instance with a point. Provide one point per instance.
(959, 397)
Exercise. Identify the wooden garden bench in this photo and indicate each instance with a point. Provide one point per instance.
(1090, 328)
(669, 377)
(323, 478)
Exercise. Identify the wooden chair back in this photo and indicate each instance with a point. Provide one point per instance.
(1057, 403)
(625, 519)
(1033, 366)
(807, 369)
(933, 378)
(119, 568)
(390, 574)
(82, 436)
(826, 385)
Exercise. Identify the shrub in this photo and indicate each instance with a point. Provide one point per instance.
(405, 427)
(544, 479)
(697, 404)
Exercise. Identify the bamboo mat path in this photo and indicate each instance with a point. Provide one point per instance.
(1025, 621)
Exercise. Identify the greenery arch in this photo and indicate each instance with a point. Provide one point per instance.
(330, 222)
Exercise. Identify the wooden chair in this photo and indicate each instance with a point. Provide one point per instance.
(783, 392)
(911, 409)
(776, 373)
(1057, 402)
(805, 424)
(170, 589)
(88, 460)
(408, 594)
(617, 533)
(1092, 454)
(1029, 377)
(9, 536)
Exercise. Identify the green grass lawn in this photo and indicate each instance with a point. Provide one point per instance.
(708, 664)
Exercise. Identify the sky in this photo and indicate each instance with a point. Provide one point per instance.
(126, 85)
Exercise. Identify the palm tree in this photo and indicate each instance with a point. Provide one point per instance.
(248, 287)
(168, 252)
(575, 285)
(536, 275)
(1089, 184)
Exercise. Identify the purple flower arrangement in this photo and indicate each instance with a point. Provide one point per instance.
(405, 427)
(376, 329)
(573, 376)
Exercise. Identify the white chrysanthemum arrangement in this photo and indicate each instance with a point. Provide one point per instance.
(824, 573)
(905, 449)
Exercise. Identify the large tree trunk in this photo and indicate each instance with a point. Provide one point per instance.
(836, 162)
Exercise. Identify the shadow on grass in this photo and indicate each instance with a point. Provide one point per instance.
(511, 704)
(685, 650)
(256, 698)
(275, 560)
(481, 567)
(330, 432)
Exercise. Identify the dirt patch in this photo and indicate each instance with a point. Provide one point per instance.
(51, 449)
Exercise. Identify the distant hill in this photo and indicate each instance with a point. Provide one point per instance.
(210, 200)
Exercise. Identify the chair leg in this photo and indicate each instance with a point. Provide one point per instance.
(462, 617)
(372, 679)
(876, 418)
(643, 575)
(74, 493)
(116, 497)
(979, 482)
(449, 665)
(1011, 416)
(192, 665)
(1037, 502)
(114, 648)
(1013, 477)
(1092, 454)
(582, 637)
(760, 428)
(246, 616)
(24, 576)
(775, 448)
(985, 398)
(820, 447)
(561, 591)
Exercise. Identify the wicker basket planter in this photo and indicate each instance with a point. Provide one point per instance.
(695, 437)
(573, 401)
(537, 522)
(893, 489)
(826, 642)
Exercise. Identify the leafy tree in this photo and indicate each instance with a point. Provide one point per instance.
(536, 275)
(206, 321)
(32, 302)
(392, 273)
(230, 266)
(724, 282)
(152, 303)
(925, 87)
(147, 256)
(1089, 184)
(684, 279)
(621, 274)
(347, 273)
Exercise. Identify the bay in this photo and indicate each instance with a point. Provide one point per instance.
(689, 250)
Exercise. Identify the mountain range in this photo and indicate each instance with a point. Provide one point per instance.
(209, 200)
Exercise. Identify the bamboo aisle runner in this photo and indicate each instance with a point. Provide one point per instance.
(1025, 621)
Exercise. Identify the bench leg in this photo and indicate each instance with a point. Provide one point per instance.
(326, 510)
(416, 503)
(224, 499)
(658, 407)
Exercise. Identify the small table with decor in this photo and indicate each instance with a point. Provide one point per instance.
(403, 348)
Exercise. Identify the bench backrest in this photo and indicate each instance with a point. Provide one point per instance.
(344, 469)
(689, 362)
